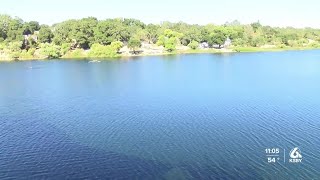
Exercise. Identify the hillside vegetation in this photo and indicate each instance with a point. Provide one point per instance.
(89, 37)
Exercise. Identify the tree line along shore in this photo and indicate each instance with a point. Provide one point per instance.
(93, 38)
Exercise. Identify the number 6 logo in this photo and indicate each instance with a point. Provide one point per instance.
(295, 153)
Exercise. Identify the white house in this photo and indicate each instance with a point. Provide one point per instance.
(204, 45)
(227, 43)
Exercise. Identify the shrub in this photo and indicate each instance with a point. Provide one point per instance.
(25, 54)
(193, 45)
(77, 53)
(98, 50)
(117, 45)
(65, 47)
(50, 50)
(315, 45)
(15, 49)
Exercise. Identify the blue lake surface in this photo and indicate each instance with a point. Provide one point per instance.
(203, 116)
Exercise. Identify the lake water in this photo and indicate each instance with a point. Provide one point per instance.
(205, 116)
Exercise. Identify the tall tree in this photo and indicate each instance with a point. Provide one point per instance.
(152, 32)
(45, 34)
(83, 32)
(110, 30)
(30, 27)
(218, 37)
(134, 44)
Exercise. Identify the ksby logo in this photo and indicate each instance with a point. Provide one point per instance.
(295, 156)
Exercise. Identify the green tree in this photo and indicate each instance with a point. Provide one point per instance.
(286, 37)
(83, 32)
(206, 31)
(108, 31)
(269, 33)
(133, 22)
(63, 32)
(170, 44)
(30, 27)
(193, 45)
(5, 21)
(191, 33)
(256, 26)
(257, 41)
(169, 39)
(15, 30)
(45, 34)
(134, 44)
(152, 33)
(133, 27)
(218, 37)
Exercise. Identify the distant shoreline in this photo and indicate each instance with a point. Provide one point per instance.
(197, 51)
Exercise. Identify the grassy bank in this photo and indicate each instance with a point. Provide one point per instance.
(257, 49)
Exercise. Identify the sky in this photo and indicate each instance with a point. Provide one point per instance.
(295, 13)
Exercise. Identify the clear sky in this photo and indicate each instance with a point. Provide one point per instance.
(296, 13)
